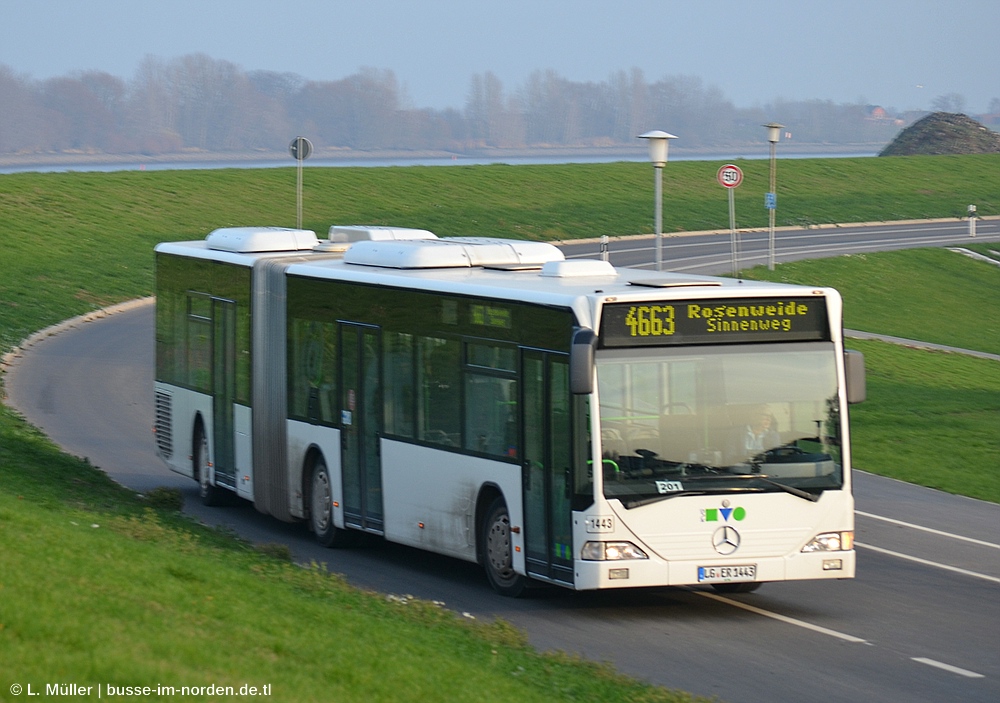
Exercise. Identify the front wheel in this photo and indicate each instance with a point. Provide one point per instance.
(498, 553)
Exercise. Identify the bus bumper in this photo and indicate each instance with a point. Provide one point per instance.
(634, 573)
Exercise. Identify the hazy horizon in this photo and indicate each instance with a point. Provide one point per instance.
(901, 54)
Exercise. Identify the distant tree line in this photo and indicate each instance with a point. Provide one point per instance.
(196, 102)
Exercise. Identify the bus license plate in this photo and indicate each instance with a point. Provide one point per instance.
(727, 574)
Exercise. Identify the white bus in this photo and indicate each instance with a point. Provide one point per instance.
(556, 421)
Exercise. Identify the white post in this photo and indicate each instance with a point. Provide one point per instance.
(658, 142)
(658, 215)
(734, 243)
(773, 135)
(298, 197)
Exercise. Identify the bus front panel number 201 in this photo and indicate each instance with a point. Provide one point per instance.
(650, 320)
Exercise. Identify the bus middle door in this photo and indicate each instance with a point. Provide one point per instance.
(361, 426)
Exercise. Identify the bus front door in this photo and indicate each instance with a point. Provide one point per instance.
(223, 391)
(361, 426)
(547, 459)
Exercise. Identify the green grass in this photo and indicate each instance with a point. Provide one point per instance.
(97, 587)
(55, 225)
(931, 418)
(931, 295)
(146, 597)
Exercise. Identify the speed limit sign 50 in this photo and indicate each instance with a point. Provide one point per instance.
(730, 176)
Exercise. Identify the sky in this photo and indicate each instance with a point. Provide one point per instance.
(900, 54)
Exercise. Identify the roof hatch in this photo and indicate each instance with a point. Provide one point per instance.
(578, 268)
(673, 282)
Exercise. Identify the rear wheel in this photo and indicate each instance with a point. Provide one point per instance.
(321, 509)
(498, 553)
(211, 495)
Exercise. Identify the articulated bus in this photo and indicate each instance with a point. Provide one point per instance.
(557, 421)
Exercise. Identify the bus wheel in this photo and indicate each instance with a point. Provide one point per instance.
(212, 496)
(748, 587)
(321, 509)
(498, 553)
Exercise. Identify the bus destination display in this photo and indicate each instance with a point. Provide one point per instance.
(714, 322)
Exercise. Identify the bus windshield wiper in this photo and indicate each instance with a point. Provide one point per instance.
(703, 492)
(798, 492)
(657, 498)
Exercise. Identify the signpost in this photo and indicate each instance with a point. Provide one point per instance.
(730, 176)
(300, 149)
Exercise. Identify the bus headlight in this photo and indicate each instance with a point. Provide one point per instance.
(831, 542)
(611, 551)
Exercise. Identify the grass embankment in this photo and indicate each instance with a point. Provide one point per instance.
(55, 225)
(99, 587)
(146, 598)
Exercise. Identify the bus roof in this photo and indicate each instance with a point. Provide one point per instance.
(578, 283)
(245, 245)
(531, 272)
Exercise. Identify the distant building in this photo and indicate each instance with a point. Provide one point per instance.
(877, 113)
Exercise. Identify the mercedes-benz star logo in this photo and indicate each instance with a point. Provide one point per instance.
(726, 540)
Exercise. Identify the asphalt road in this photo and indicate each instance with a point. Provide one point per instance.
(919, 623)
(712, 253)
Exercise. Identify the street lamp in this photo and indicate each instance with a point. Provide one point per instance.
(771, 199)
(658, 142)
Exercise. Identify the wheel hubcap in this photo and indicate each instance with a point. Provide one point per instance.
(498, 547)
(321, 501)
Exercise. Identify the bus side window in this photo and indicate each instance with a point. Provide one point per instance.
(440, 402)
(199, 342)
(491, 398)
(312, 371)
(399, 380)
(491, 414)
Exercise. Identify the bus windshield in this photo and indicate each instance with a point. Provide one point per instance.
(719, 419)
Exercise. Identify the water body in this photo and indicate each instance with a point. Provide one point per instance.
(542, 159)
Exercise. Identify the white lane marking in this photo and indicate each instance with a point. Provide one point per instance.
(948, 667)
(925, 562)
(783, 618)
(929, 529)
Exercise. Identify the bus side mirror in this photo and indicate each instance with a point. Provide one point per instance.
(581, 361)
(854, 369)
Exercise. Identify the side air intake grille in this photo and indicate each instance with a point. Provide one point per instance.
(163, 427)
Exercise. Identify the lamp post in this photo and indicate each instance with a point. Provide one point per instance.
(771, 199)
(658, 142)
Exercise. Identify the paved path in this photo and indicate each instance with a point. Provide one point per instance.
(855, 334)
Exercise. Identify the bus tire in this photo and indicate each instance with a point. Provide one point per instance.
(498, 552)
(211, 495)
(321, 508)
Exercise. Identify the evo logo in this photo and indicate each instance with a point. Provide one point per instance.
(723, 514)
